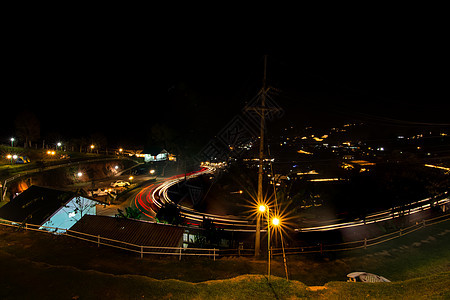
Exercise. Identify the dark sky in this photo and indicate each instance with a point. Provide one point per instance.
(79, 80)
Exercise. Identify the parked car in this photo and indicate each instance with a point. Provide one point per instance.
(99, 193)
(120, 183)
(22, 160)
(365, 277)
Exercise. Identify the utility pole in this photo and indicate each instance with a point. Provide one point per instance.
(261, 110)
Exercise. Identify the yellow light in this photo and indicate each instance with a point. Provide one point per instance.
(120, 150)
(262, 208)
(437, 167)
(276, 221)
(92, 146)
(304, 152)
(9, 156)
(130, 178)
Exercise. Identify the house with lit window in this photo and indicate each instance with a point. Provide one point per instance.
(48, 207)
(152, 154)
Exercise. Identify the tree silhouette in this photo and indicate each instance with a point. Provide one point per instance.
(28, 127)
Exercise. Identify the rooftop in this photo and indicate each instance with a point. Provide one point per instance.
(35, 205)
(130, 231)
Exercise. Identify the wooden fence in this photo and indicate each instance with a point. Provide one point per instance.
(99, 240)
(214, 253)
(353, 245)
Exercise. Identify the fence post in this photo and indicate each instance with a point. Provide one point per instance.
(180, 253)
(214, 254)
(400, 232)
(424, 223)
(365, 243)
(321, 248)
(98, 241)
(142, 251)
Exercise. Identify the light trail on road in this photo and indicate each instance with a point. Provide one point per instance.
(144, 204)
(389, 214)
(154, 196)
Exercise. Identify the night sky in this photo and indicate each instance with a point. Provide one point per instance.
(119, 82)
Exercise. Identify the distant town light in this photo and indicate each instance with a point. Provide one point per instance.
(79, 174)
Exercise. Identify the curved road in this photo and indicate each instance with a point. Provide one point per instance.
(153, 196)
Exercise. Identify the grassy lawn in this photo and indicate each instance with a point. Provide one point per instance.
(37, 265)
(25, 280)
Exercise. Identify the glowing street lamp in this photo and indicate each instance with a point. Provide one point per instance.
(12, 141)
(262, 208)
(275, 221)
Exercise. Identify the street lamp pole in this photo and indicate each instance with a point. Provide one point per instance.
(262, 208)
(268, 242)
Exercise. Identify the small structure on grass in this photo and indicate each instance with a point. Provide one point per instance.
(365, 277)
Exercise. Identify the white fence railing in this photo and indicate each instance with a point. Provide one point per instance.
(99, 240)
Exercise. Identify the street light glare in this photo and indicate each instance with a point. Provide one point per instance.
(262, 208)
(276, 221)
